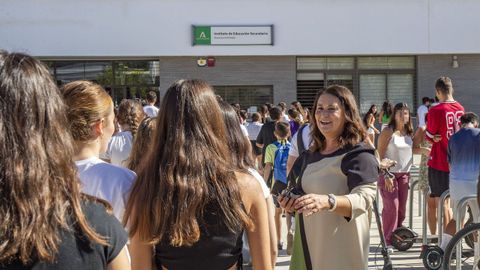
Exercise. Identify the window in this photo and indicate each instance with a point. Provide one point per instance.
(373, 90)
(386, 62)
(345, 80)
(69, 71)
(325, 63)
(315, 73)
(246, 96)
(122, 79)
(386, 78)
(376, 88)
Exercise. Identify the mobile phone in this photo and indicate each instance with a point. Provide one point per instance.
(292, 193)
(294, 196)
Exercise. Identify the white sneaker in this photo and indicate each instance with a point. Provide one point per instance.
(390, 249)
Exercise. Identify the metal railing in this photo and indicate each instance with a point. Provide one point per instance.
(410, 206)
(459, 215)
(440, 212)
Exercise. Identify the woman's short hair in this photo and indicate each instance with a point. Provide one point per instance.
(393, 122)
(353, 132)
(87, 103)
(187, 170)
(39, 189)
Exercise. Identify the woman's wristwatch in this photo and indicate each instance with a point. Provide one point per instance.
(332, 201)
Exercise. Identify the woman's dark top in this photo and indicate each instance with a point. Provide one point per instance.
(217, 249)
(77, 252)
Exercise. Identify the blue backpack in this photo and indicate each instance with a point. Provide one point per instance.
(280, 163)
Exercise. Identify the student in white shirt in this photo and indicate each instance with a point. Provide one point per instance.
(150, 109)
(253, 129)
(422, 111)
(90, 114)
(130, 114)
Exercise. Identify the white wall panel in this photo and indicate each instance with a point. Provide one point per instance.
(308, 27)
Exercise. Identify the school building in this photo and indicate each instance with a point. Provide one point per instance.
(254, 52)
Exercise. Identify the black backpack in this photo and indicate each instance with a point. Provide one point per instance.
(300, 145)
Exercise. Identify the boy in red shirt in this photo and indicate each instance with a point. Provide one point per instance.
(443, 120)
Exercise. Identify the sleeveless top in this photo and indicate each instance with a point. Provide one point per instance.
(400, 149)
(217, 249)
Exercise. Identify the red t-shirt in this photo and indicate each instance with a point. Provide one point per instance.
(442, 119)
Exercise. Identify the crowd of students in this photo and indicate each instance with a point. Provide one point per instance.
(194, 185)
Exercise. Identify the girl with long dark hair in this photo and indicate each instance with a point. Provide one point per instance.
(385, 114)
(396, 143)
(369, 122)
(45, 222)
(190, 201)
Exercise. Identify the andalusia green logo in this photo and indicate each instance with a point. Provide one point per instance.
(202, 35)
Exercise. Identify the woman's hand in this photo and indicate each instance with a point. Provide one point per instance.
(311, 203)
(389, 184)
(387, 163)
(286, 203)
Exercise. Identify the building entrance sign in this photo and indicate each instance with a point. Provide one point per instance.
(233, 35)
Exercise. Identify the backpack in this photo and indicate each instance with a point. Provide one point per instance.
(280, 163)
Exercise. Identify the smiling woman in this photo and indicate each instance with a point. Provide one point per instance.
(338, 176)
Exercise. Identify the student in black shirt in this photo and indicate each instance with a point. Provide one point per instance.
(45, 223)
(266, 136)
(191, 204)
